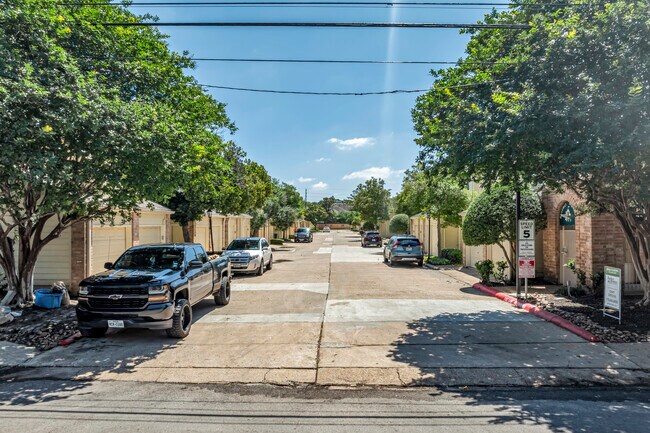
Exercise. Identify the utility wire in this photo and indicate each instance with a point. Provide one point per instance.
(325, 3)
(384, 92)
(319, 24)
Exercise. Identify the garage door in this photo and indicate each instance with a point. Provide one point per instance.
(108, 243)
(150, 235)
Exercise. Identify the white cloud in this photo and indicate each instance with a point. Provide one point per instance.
(305, 179)
(290, 182)
(378, 172)
(352, 143)
(320, 185)
(323, 159)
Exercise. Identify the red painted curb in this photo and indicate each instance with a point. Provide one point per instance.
(532, 309)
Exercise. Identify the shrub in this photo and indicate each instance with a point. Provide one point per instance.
(292, 236)
(399, 224)
(277, 241)
(485, 268)
(454, 255)
(438, 261)
(596, 281)
(500, 272)
(368, 226)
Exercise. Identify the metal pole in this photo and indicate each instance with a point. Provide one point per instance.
(518, 206)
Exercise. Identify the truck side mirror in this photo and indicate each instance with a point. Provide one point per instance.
(108, 265)
(194, 264)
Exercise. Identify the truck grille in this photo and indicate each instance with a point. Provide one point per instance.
(105, 291)
(117, 304)
(243, 260)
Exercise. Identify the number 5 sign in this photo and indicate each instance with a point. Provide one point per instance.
(526, 238)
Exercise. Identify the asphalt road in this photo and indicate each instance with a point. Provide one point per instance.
(59, 406)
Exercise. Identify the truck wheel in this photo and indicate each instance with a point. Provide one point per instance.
(222, 297)
(420, 263)
(182, 321)
(270, 265)
(391, 261)
(92, 332)
(260, 270)
(385, 259)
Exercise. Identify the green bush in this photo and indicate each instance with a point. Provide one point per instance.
(455, 256)
(438, 261)
(399, 224)
(500, 272)
(292, 236)
(277, 241)
(485, 268)
(368, 226)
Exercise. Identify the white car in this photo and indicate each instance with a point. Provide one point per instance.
(326, 229)
(249, 255)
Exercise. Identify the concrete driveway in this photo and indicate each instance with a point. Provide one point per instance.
(333, 313)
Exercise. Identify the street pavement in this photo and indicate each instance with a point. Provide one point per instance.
(333, 313)
(108, 406)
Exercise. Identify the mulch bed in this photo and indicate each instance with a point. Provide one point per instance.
(586, 312)
(40, 328)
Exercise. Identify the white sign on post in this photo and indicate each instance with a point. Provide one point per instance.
(526, 267)
(612, 298)
(526, 238)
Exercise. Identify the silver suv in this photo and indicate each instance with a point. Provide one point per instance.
(249, 255)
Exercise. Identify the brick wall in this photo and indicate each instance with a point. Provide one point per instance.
(80, 251)
(609, 245)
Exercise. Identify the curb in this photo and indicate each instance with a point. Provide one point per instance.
(532, 309)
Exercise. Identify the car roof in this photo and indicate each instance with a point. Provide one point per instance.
(248, 239)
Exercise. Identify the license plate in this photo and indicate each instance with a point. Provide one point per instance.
(116, 323)
(408, 260)
(409, 249)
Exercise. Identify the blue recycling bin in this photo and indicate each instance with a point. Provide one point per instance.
(45, 298)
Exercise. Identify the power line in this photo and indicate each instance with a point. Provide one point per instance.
(312, 93)
(325, 3)
(319, 24)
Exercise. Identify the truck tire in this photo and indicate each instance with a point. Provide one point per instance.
(92, 332)
(260, 270)
(385, 259)
(270, 264)
(222, 297)
(182, 321)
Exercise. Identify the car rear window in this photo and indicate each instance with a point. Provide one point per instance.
(303, 230)
(408, 243)
(372, 233)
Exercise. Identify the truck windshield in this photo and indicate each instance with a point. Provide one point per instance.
(244, 244)
(151, 258)
(303, 230)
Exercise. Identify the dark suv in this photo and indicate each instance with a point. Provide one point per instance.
(371, 238)
(303, 234)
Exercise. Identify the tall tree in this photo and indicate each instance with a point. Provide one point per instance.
(93, 120)
(327, 203)
(437, 197)
(315, 213)
(371, 200)
(564, 104)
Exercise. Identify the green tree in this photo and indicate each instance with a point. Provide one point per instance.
(491, 219)
(565, 105)
(399, 224)
(258, 220)
(284, 217)
(327, 203)
(371, 200)
(93, 120)
(315, 213)
(437, 197)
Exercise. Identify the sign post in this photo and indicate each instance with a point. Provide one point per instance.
(612, 298)
(526, 251)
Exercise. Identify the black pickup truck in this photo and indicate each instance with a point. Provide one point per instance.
(153, 287)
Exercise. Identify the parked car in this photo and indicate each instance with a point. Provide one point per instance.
(407, 248)
(153, 287)
(371, 238)
(326, 229)
(249, 255)
(303, 234)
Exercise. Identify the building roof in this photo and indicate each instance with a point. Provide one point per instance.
(154, 207)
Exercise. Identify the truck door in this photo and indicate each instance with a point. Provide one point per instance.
(206, 273)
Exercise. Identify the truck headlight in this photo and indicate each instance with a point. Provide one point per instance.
(254, 256)
(159, 290)
(83, 291)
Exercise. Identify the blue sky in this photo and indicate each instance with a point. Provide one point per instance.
(327, 144)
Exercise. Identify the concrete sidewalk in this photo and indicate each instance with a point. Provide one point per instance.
(332, 313)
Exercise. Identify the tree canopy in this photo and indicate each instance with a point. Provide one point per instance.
(564, 104)
(93, 120)
(371, 200)
(399, 224)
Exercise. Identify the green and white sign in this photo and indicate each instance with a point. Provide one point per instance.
(612, 298)
(567, 216)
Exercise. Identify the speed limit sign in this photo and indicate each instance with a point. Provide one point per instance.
(526, 238)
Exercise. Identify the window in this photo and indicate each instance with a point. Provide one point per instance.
(151, 258)
(200, 253)
(408, 242)
(244, 244)
(265, 244)
(190, 255)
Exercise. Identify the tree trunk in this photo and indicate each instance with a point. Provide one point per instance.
(638, 240)
(509, 258)
(211, 240)
(187, 237)
(439, 233)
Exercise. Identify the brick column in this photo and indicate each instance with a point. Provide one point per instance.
(80, 253)
(168, 228)
(135, 229)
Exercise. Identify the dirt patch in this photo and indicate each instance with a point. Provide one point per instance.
(40, 328)
(586, 312)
